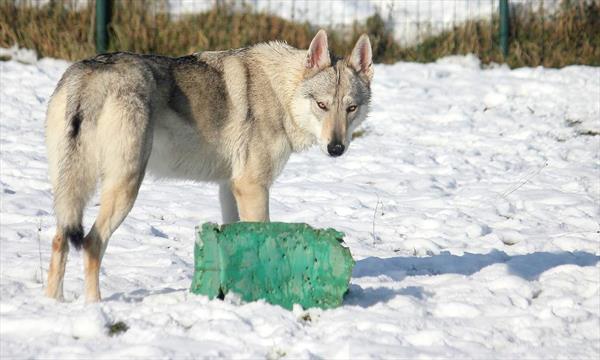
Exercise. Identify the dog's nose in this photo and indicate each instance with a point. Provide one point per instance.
(335, 149)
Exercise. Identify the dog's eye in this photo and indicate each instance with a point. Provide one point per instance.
(321, 105)
(351, 108)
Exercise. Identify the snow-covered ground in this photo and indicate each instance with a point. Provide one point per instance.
(470, 203)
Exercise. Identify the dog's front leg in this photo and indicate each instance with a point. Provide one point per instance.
(229, 210)
(252, 199)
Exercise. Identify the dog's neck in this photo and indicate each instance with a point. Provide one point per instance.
(284, 66)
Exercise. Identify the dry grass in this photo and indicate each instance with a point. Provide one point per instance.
(571, 36)
(53, 30)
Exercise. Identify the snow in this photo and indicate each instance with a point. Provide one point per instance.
(470, 203)
(23, 55)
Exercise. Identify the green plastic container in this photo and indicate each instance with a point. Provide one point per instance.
(283, 263)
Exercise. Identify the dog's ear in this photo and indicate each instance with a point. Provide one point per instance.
(361, 58)
(318, 52)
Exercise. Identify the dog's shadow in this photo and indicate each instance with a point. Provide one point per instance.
(528, 267)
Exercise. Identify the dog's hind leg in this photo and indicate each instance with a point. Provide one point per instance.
(229, 210)
(56, 270)
(116, 200)
(125, 128)
(73, 178)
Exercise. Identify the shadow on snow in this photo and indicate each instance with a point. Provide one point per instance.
(528, 267)
(140, 294)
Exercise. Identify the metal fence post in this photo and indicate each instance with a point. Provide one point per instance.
(504, 27)
(102, 14)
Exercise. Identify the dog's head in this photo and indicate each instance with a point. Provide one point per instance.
(333, 98)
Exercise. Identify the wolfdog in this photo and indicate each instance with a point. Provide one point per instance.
(230, 117)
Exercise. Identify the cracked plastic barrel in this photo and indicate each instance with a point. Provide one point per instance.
(282, 263)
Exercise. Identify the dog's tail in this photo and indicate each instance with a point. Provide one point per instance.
(72, 166)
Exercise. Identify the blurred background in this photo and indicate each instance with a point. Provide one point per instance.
(552, 33)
